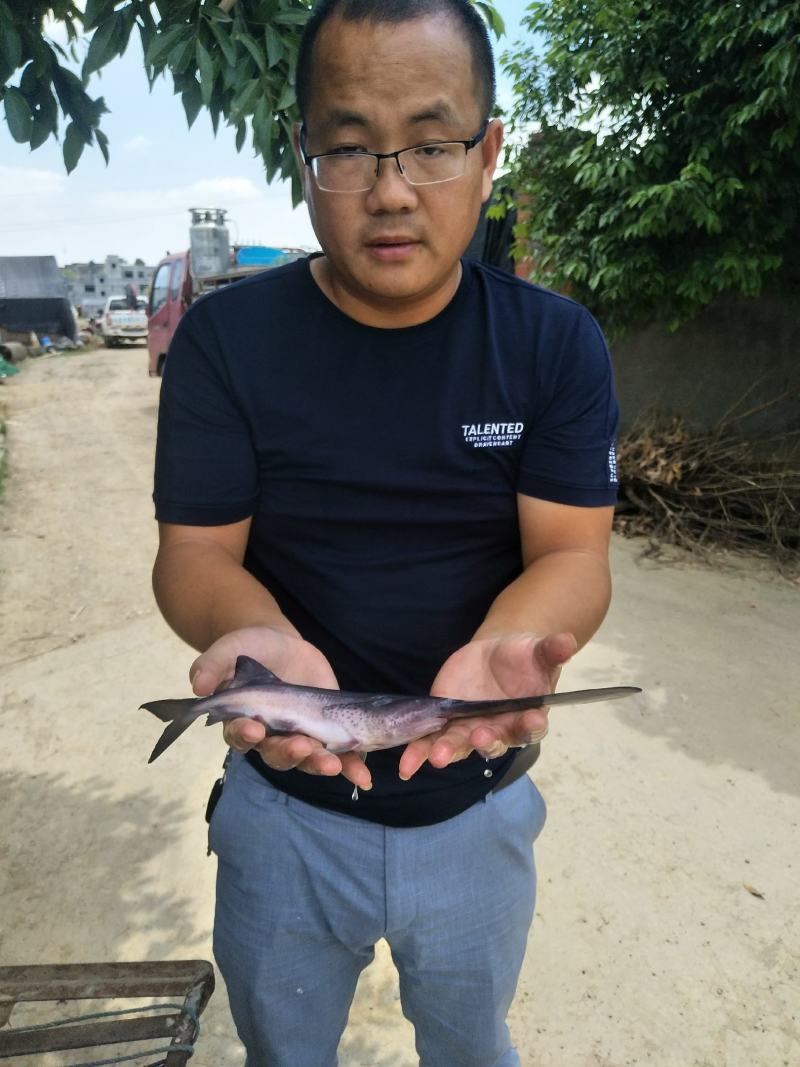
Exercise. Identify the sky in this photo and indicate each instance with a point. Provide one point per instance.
(137, 206)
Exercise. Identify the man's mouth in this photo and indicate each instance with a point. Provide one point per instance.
(392, 246)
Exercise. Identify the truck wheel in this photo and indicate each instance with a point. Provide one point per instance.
(109, 342)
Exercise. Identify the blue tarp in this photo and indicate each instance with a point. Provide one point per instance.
(261, 256)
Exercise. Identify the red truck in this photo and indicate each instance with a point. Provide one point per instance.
(174, 287)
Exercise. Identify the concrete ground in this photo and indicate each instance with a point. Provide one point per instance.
(666, 930)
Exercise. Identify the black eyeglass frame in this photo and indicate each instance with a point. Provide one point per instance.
(468, 144)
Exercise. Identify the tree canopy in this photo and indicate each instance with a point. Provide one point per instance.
(236, 59)
(661, 157)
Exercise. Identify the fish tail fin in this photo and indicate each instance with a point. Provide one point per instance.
(178, 714)
(459, 709)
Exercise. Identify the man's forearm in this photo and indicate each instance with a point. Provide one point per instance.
(564, 591)
(203, 593)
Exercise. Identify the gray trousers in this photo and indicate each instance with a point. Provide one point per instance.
(303, 895)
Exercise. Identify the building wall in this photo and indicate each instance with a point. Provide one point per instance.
(90, 284)
(738, 353)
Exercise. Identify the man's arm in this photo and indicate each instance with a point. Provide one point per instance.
(215, 605)
(566, 585)
(533, 627)
(202, 588)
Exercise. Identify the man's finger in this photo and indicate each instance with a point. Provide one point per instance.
(356, 770)
(243, 734)
(285, 753)
(518, 728)
(491, 738)
(528, 730)
(453, 745)
(414, 755)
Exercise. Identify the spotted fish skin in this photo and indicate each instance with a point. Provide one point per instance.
(342, 721)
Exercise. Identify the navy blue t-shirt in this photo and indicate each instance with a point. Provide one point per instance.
(380, 468)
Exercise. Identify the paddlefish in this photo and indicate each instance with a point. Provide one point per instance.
(342, 721)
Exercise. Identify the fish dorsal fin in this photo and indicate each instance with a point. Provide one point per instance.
(251, 672)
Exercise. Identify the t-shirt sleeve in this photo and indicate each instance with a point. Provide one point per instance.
(206, 466)
(569, 454)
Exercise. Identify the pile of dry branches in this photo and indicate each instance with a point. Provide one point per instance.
(712, 488)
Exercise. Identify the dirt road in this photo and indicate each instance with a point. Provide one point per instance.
(666, 814)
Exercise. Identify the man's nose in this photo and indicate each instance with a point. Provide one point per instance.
(391, 191)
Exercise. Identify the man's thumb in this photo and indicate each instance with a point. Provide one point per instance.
(555, 649)
(206, 673)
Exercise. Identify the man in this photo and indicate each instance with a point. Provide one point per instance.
(387, 469)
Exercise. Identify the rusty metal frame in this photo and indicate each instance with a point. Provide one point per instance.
(191, 980)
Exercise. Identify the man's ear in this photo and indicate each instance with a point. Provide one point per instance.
(490, 147)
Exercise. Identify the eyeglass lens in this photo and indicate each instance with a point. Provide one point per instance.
(426, 165)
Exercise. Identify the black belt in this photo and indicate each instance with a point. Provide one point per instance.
(525, 759)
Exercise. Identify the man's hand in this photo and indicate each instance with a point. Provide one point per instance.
(292, 660)
(492, 668)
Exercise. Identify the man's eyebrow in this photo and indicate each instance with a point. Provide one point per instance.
(439, 112)
(337, 118)
(341, 117)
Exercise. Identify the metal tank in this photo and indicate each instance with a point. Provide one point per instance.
(209, 241)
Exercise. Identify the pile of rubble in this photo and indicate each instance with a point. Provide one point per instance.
(16, 346)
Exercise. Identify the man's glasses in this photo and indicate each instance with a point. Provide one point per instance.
(357, 172)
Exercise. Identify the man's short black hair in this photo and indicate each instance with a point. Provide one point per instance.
(400, 11)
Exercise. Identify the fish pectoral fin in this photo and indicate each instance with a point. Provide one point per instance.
(344, 745)
(224, 713)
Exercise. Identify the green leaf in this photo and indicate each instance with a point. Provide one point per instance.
(192, 102)
(205, 65)
(493, 19)
(180, 59)
(48, 106)
(286, 99)
(215, 108)
(254, 50)
(41, 130)
(245, 99)
(74, 145)
(213, 12)
(241, 134)
(102, 46)
(274, 46)
(225, 42)
(29, 82)
(262, 126)
(95, 11)
(162, 44)
(292, 18)
(18, 115)
(10, 52)
(102, 142)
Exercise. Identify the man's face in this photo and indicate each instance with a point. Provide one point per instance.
(382, 87)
